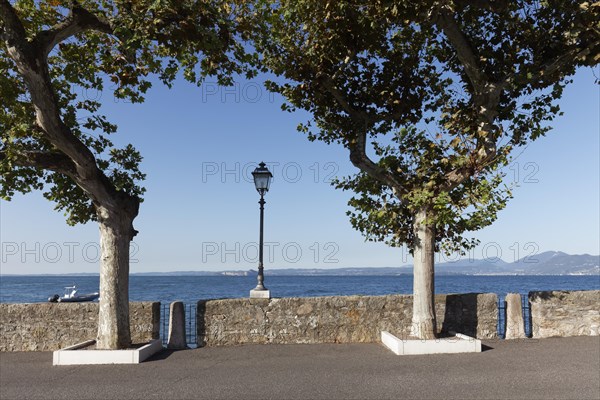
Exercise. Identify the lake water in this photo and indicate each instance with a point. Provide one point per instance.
(190, 289)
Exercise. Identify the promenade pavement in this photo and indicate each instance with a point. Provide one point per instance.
(558, 368)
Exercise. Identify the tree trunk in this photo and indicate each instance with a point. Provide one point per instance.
(423, 320)
(116, 233)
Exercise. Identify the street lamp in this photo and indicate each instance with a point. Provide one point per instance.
(262, 180)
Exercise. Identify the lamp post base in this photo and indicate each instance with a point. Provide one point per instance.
(260, 294)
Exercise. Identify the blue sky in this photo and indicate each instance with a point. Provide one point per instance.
(201, 212)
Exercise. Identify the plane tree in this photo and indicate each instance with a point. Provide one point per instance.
(431, 99)
(57, 140)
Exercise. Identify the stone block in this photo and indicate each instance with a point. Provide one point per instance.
(515, 325)
(177, 339)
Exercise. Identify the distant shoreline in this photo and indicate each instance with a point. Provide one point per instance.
(550, 263)
(274, 273)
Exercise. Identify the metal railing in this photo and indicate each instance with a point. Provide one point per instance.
(501, 318)
(526, 307)
(190, 324)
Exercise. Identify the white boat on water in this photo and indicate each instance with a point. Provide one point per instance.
(71, 296)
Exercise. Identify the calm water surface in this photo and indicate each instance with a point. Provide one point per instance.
(190, 289)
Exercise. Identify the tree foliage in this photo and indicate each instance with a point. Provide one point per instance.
(381, 215)
(430, 98)
(99, 47)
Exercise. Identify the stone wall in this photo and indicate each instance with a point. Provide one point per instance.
(565, 313)
(347, 319)
(51, 326)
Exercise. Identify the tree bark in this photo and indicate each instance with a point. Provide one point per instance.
(113, 316)
(423, 320)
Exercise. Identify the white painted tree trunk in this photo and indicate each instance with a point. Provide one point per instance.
(113, 316)
(423, 320)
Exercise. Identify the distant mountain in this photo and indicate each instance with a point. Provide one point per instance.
(547, 263)
(177, 273)
(340, 271)
(558, 263)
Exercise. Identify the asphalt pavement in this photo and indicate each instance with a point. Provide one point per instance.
(557, 368)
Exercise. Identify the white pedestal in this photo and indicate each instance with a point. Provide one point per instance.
(77, 355)
(455, 344)
(260, 294)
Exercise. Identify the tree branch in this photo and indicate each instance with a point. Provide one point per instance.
(559, 62)
(360, 159)
(14, 35)
(340, 96)
(485, 96)
(78, 20)
(457, 176)
(57, 162)
(357, 143)
(463, 48)
(33, 67)
(11, 21)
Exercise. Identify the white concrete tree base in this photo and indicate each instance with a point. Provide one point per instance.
(78, 355)
(450, 345)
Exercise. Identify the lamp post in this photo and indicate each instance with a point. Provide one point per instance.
(262, 180)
